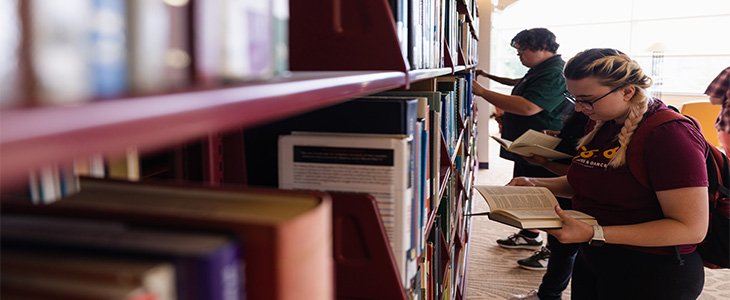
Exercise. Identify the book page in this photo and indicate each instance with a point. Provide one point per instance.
(517, 197)
(543, 214)
(533, 143)
(533, 137)
(502, 142)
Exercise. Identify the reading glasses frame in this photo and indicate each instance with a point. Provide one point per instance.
(588, 104)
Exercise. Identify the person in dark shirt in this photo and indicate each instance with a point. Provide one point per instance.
(537, 102)
(719, 92)
(644, 246)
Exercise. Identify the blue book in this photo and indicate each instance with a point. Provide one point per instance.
(108, 47)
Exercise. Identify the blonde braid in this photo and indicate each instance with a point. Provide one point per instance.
(636, 114)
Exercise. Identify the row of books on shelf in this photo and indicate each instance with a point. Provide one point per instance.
(215, 243)
(426, 27)
(55, 55)
(79, 50)
(392, 145)
(186, 162)
(143, 240)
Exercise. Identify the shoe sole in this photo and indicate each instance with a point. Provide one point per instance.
(533, 268)
(528, 247)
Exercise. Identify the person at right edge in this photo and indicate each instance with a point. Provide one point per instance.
(645, 244)
(719, 92)
(537, 102)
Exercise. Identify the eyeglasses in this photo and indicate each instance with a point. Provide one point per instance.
(588, 104)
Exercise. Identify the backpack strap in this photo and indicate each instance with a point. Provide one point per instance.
(635, 150)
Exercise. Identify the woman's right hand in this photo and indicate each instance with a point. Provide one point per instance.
(477, 89)
(521, 181)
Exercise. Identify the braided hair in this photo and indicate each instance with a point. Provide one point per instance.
(613, 69)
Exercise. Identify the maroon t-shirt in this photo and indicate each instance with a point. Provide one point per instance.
(675, 158)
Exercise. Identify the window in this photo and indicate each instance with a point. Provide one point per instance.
(689, 39)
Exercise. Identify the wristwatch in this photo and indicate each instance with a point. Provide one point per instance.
(598, 239)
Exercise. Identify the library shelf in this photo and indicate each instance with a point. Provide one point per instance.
(330, 45)
(35, 137)
(464, 9)
(416, 75)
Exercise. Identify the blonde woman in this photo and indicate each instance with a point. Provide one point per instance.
(644, 247)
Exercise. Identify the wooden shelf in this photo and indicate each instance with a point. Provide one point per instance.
(416, 75)
(31, 138)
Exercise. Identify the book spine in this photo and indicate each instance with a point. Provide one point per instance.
(215, 276)
(108, 47)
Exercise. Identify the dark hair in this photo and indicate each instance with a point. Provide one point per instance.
(535, 39)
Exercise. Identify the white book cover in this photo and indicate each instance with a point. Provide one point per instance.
(367, 163)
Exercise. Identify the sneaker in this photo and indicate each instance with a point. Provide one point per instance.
(537, 261)
(531, 295)
(518, 241)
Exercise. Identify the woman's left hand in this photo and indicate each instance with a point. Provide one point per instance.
(573, 231)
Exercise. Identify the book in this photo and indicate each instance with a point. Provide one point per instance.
(206, 263)
(124, 166)
(533, 142)
(287, 235)
(365, 163)
(526, 207)
(107, 48)
(379, 116)
(40, 288)
(57, 38)
(227, 47)
(13, 72)
(105, 272)
(159, 45)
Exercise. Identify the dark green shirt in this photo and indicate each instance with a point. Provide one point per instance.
(543, 85)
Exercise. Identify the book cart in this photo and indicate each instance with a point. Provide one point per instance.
(338, 50)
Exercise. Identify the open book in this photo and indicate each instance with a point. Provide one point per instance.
(526, 207)
(533, 142)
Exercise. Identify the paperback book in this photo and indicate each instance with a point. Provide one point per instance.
(532, 143)
(526, 207)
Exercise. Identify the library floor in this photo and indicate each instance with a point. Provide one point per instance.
(493, 273)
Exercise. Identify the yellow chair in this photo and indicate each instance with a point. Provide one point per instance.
(705, 113)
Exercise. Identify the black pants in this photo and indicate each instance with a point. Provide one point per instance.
(615, 272)
(560, 265)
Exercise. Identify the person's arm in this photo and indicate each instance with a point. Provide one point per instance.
(685, 222)
(509, 103)
(502, 80)
(557, 185)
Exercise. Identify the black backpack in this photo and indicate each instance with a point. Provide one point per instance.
(715, 248)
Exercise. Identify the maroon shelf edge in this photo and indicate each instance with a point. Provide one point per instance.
(36, 137)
